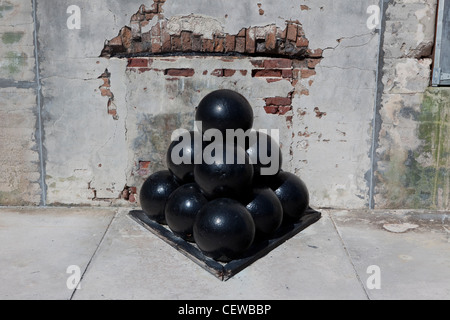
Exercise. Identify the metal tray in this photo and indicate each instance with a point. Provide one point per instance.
(225, 271)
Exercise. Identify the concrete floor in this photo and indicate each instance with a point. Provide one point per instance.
(119, 259)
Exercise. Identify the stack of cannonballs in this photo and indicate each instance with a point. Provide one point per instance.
(218, 197)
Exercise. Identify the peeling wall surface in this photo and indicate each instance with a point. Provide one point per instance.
(90, 117)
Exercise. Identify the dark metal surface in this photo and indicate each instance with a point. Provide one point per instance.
(225, 271)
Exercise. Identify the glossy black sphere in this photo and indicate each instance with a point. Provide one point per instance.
(182, 208)
(266, 210)
(181, 156)
(225, 109)
(265, 154)
(223, 178)
(154, 194)
(224, 229)
(293, 195)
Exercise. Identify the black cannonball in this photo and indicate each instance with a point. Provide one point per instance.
(224, 229)
(154, 194)
(225, 109)
(221, 178)
(182, 208)
(265, 154)
(181, 156)
(293, 195)
(266, 210)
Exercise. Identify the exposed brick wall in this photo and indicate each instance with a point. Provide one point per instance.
(105, 90)
(267, 40)
(296, 71)
(276, 54)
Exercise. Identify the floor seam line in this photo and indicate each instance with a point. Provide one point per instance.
(348, 255)
(94, 254)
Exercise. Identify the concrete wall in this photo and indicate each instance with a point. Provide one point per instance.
(412, 147)
(106, 123)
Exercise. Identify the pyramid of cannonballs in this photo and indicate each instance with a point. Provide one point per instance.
(220, 194)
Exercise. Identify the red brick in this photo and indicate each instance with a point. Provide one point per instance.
(156, 45)
(229, 72)
(166, 45)
(117, 41)
(106, 83)
(137, 17)
(291, 32)
(142, 70)
(176, 43)
(282, 33)
(277, 109)
(287, 73)
(186, 41)
(312, 63)
(144, 164)
(207, 45)
(306, 73)
(132, 198)
(315, 53)
(250, 41)
(126, 37)
(299, 63)
(137, 63)
(230, 42)
(278, 63)
(106, 92)
(303, 7)
(219, 44)
(197, 43)
(240, 44)
(146, 37)
(267, 73)
(133, 190)
(112, 112)
(283, 110)
(156, 30)
(302, 42)
(179, 72)
(243, 72)
(278, 101)
(271, 41)
(242, 32)
(271, 109)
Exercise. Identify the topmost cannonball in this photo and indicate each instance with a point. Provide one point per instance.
(225, 109)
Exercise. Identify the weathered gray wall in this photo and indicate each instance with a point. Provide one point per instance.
(412, 168)
(19, 156)
(103, 134)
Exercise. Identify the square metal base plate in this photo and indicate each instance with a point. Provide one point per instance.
(225, 271)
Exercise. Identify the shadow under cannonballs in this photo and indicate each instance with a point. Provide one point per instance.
(226, 270)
